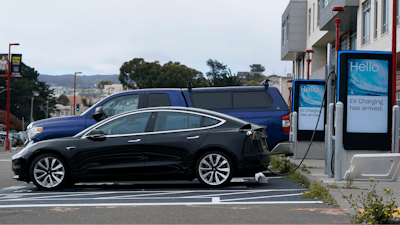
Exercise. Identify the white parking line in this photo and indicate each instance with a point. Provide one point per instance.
(271, 196)
(159, 204)
(5, 160)
(142, 195)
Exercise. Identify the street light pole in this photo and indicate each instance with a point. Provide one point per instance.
(394, 60)
(8, 96)
(338, 9)
(309, 53)
(73, 107)
(32, 109)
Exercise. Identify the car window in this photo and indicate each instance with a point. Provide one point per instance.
(212, 100)
(251, 99)
(121, 104)
(130, 124)
(209, 122)
(158, 99)
(176, 121)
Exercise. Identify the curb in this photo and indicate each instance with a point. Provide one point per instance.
(335, 193)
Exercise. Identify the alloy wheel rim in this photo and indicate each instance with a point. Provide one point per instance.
(214, 169)
(49, 172)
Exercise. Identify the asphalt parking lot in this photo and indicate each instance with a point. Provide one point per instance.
(240, 191)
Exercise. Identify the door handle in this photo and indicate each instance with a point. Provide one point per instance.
(194, 137)
(133, 141)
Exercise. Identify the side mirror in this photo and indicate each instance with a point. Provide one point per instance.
(98, 113)
(96, 134)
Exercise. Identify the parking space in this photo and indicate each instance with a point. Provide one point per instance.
(239, 191)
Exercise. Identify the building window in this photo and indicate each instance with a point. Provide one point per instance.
(343, 42)
(285, 31)
(325, 3)
(309, 21)
(366, 21)
(385, 16)
(313, 16)
(376, 19)
(353, 39)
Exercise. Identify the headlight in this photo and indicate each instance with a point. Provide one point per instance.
(34, 131)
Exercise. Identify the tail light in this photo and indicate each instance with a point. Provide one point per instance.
(286, 124)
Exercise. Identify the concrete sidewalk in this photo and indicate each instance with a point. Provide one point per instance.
(317, 169)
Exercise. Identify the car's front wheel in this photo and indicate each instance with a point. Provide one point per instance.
(49, 172)
(214, 169)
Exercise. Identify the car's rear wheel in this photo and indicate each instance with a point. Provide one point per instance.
(49, 172)
(214, 169)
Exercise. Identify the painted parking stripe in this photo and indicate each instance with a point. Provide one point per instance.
(5, 160)
(158, 204)
(258, 197)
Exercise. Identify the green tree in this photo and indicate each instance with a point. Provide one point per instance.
(127, 75)
(220, 75)
(257, 68)
(63, 100)
(21, 92)
(104, 82)
(85, 103)
(153, 75)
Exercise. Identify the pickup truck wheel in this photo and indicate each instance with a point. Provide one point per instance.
(49, 172)
(214, 169)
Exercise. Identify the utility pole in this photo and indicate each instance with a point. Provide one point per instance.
(32, 109)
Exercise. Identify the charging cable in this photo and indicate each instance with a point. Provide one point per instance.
(309, 146)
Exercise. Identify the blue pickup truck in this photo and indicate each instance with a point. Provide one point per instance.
(261, 105)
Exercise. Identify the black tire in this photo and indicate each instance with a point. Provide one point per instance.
(215, 173)
(49, 172)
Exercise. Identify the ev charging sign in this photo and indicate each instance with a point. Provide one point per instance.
(364, 87)
(310, 100)
(307, 101)
(367, 96)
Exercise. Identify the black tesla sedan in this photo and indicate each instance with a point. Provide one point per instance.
(161, 143)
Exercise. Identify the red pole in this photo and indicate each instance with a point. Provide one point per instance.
(337, 22)
(8, 98)
(394, 61)
(308, 68)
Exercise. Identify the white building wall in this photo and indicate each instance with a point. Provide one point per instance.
(383, 42)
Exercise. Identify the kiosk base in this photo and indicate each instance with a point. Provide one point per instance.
(379, 167)
(317, 150)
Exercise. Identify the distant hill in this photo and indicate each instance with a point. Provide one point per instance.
(82, 81)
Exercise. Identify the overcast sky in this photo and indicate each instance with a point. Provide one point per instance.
(97, 36)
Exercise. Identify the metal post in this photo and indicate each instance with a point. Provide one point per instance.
(328, 78)
(293, 131)
(394, 61)
(47, 109)
(32, 109)
(395, 129)
(338, 140)
(329, 140)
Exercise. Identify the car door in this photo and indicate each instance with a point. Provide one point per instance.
(120, 154)
(170, 147)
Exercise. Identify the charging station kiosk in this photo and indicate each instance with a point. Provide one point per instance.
(307, 99)
(364, 88)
